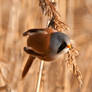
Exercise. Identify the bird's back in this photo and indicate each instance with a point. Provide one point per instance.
(39, 42)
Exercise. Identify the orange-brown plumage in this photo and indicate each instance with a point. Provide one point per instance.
(45, 44)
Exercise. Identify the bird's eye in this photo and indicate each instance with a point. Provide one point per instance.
(62, 46)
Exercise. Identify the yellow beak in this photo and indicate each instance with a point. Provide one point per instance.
(69, 46)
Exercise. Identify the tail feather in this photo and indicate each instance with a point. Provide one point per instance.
(27, 65)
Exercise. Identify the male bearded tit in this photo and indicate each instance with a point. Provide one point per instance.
(46, 44)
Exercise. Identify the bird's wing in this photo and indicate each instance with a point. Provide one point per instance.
(27, 65)
(39, 31)
(34, 31)
(39, 39)
(31, 52)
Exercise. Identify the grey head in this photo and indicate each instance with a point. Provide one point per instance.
(59, 41)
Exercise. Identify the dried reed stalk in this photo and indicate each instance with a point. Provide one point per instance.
(49, 9)
(70, 59)
(40, 75)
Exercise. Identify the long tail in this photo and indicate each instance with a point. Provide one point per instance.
(27, 65)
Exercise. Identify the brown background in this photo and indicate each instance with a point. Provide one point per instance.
(16, 16)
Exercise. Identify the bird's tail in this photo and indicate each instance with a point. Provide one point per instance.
(27, 65)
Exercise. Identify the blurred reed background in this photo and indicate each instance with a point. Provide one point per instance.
(16, 16)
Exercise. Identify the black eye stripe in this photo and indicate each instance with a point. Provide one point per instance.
(62, 46)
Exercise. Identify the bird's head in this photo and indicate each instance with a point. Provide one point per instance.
(65, 43)
(60, 42)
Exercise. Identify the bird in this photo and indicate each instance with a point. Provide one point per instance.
(47, 44)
